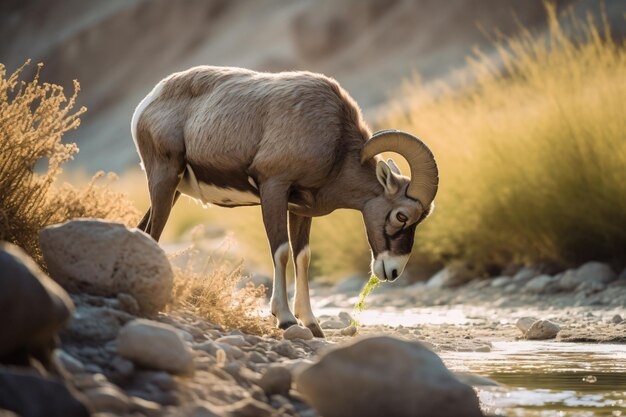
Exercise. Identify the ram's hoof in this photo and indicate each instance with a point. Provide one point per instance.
(316, 330)
(287, 324)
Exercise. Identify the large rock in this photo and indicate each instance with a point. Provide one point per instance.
(451, 276)
(103, 258)
(155, 345)
(30, 395)
(587, 275)
(385, 376)
(34, 308)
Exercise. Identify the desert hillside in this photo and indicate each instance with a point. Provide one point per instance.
(119, 49)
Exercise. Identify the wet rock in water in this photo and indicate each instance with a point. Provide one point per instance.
(451, 276)
(524, 323)
(31, 395)
(541, 330)
(275, 380)
(590, 274)
(34, 307)
(617, 319)
(103, 258)
(542, 284)
(384, 375)
(349, 331)
(155, 345)
(333, 324)
(297, 332)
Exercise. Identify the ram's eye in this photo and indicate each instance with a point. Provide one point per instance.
(402, 217)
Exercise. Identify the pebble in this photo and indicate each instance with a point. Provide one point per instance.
(256, 357)
(276, 380)
(108, 399)
(617, 319)
(233, 340)
(68, 362)
(333, 324)
(155, 345)
(286, 349)
(541, 330)
(524, 323)
(345, 317)
(297, 332)
(351, 331)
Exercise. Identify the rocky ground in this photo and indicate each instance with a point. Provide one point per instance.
(117, 357)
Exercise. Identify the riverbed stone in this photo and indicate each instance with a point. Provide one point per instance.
(333, 324)
(541, 284)
(590, 273)
(349, 331)
(385, 376)
(155, 345)
(34, 307)
(104, 258)
(297, 332)
(542, 330)
(276, 380)
(451, 276)
(524, 323)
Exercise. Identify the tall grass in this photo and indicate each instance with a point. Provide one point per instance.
(532, 151)
(33, 118)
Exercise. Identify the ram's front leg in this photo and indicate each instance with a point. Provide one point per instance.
(274, 197)
(299, 230)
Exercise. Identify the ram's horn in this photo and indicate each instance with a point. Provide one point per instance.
(424, 173)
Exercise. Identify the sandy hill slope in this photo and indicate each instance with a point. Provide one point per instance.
(118, 49)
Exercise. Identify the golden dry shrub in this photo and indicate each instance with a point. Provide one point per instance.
(214, 292)
(33, 118)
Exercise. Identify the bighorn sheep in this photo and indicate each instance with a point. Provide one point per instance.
(293, 142)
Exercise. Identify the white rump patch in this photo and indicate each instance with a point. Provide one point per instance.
(152, 95)
(211, 194)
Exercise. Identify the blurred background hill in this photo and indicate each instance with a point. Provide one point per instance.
(118, 49)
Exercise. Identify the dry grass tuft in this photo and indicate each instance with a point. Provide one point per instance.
(33, 118)
(214, 292)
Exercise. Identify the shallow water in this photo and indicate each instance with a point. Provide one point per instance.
(548, 378)
(536, 378)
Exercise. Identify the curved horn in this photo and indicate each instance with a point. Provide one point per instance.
(424, 173)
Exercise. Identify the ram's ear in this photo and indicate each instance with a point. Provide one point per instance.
(387, 178)
(393, 166)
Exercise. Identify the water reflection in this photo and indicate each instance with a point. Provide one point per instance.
(549, 378)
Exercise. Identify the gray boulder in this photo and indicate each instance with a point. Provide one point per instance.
(385, 376)
(30, 395)
(451, 276)
(587, 276)
(34, 307)
(155, 345)
(542, 284)
(541, 330)
(106, 259)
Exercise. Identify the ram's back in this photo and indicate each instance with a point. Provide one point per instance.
(289, 124)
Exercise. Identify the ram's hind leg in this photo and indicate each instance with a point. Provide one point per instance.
(299, 230)
(274, 195)
(144, 223)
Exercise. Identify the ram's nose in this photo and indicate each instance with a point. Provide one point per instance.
(389, 267)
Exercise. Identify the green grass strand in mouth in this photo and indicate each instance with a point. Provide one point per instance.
(367, 289)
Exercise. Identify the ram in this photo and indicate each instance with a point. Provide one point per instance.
(293, 142)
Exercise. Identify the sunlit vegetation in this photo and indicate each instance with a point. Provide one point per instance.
(531, 150)
(33, 118)
(211, 287)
